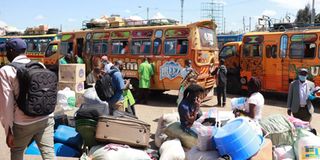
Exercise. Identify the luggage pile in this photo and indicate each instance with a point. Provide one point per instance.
(72, 76)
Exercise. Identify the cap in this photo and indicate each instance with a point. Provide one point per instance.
(303, 70)
(16, 44)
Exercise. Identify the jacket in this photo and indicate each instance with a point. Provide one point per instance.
(293, 101)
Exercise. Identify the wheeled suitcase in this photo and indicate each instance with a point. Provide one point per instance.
(123, 130)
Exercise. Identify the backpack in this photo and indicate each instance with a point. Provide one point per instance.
(104, 87)
(38, 89)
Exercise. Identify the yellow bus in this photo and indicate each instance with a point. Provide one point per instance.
(168, 46)
(36, 46)
(273, 57)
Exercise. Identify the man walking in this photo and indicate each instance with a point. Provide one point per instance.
(298, 101)
(20, 128)
(145, 74)
(221, 73)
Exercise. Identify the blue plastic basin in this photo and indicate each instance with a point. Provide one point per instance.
(68, 135)
(238, 140)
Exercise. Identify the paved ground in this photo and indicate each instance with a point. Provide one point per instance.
(165, 103)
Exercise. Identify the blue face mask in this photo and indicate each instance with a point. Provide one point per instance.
(302, 78)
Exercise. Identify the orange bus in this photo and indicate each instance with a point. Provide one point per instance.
(36, 46)
(167, 46)
(273, 57)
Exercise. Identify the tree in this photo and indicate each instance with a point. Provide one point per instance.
(304, 15)
(317, 19)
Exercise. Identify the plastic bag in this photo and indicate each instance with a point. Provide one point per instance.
(164, 121)
(195, 154)
(172, 150)
(238, 103)
(205, 134)
(66, 99)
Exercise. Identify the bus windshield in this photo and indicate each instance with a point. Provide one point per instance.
(207, 37)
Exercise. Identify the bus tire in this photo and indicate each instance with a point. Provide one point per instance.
(233, 85)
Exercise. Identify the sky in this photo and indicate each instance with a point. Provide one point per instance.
(71, 13)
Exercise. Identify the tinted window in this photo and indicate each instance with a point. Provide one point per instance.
(100, 47)
(302, 50)
(228, 51)
(170, 47)
(120, 47)
(157, 46)
(141, 47)
(252, 50)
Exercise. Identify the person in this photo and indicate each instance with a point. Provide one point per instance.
(93, 76)
(186, 80)
(221, 73)
(298, 102)
(119, 85)
(189, 108)
(125, 48)
(20, 129)
(145, 74)
(66, 59)
(78, 59)
(254, 104)
(107, 64)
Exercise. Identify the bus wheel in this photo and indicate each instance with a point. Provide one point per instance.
(233, 85)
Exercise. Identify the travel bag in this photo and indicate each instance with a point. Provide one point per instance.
(92, 111)
(123, 130)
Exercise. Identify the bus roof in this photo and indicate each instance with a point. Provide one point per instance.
(31, 36)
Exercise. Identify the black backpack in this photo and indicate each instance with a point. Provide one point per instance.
(104, 87)
(38, 88)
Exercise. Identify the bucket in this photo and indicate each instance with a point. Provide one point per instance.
(87, 130)
(238, 140)
(238, 103)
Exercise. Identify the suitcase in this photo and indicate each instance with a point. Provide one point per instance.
(123, 130)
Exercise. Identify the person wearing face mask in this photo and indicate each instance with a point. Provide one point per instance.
(299, 97)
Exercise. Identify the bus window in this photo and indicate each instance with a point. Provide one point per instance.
(99, 47)
(120, 47)
(271, 51)
(158, 34)
(140, 47)
(157, 46)
(66, 47)
(206, 37)
(182, 47)
(52, 49)
(252, 50)
(228, 51)
(301, 50)
(170, 47)
(283, 46)
(32, 45)
(274, 51)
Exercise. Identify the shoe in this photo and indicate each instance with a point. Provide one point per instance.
(218, 105)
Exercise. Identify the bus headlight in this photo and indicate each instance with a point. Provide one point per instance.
(243, 80)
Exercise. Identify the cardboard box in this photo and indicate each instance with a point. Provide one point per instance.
(77, 87)
(265, 152)
(72, 73)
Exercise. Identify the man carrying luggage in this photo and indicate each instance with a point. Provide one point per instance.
(20, 128)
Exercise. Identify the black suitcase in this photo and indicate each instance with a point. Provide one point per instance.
(92, 111)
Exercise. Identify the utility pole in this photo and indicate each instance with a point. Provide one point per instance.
(244, 25)
(182, 1)
(312, 13)
(224, 25)
(147, 13)
(249, 24)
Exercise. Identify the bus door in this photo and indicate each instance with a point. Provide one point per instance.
(80, 45)
(272, 65)
(251, 59)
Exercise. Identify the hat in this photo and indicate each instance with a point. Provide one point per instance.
(303, 70)
(16, 44)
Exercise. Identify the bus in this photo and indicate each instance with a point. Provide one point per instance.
(36, 46)
(222, 39)
(274, 57)
(167, 46)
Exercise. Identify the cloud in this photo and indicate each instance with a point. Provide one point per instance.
(7, 27)
(158, 15)
(135, 18)
(3, 24)
(39, 17)
(71, 20)
(127, 11)
(269, 13)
